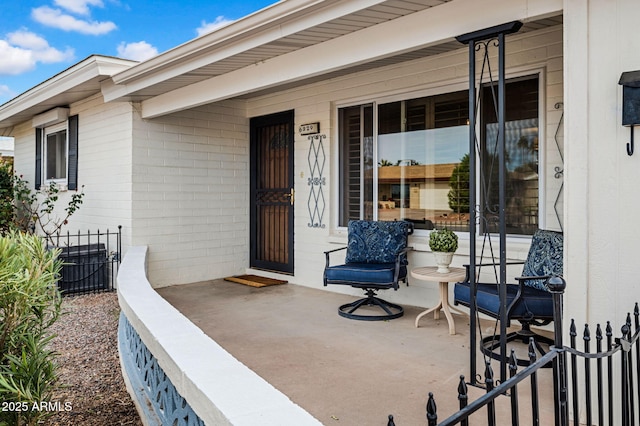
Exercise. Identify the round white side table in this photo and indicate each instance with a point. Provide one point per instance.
(429, 273)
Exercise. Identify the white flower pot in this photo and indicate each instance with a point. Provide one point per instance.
(443, 260)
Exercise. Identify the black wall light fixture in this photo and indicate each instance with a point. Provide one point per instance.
(630, 82)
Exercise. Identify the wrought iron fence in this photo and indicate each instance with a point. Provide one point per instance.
(90, 261)
(603, 386)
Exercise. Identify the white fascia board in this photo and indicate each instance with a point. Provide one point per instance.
(421, 29)
(270, 24)
(74, 76)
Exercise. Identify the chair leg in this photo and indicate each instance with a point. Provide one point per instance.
(491, 343)
(391, 310)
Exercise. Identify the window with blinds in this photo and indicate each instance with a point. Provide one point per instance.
(417, 168)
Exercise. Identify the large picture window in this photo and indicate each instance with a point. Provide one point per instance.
(409, 159)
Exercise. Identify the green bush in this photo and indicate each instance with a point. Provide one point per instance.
(29, 305)
(6, 198)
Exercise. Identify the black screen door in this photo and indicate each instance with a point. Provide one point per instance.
(272, 192)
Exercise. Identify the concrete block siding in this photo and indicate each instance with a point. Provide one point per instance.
(539, 51)
(191, 180)
(104, 165)
(180, 183)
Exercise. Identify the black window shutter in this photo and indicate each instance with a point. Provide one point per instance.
(38, 180)
(72, 176)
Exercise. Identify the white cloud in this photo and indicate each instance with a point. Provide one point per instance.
(80, 7)
(6, 92)
(14, 59)
(22, 50)
(207, 27)
(57, 19)
(27, 40)
(137, 51)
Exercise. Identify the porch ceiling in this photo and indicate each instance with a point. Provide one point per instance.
(220, 56)
(404, 57)
(305, 37)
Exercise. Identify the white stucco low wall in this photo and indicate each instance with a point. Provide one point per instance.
(219, 388)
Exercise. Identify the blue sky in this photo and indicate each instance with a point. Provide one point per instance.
(40, 38)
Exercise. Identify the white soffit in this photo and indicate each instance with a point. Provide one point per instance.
(283, 28)
(71, 85)
(418, 34)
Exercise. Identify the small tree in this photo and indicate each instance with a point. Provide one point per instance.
(35, 210)
(7, 212)
(459, 183)
(29, 305)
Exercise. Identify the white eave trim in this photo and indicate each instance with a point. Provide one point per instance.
(420, 29)
(83, 71)
(267, 25)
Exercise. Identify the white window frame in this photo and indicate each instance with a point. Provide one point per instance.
(56, 128)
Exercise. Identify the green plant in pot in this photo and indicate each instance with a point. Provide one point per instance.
(443, 243)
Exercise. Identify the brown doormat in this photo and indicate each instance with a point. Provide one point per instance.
(254, 280)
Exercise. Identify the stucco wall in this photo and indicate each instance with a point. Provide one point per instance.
(602, 201)
(191, 193)
(526, 53)
(104, 165)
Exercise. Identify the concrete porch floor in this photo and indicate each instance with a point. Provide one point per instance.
(343, 372)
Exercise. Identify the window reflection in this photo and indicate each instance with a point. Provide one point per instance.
(415, 171)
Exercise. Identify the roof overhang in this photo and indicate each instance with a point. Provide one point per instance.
(288, 44)
(296, 42)
(73, 84)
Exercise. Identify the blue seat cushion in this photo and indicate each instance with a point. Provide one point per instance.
(537, 302)
(373, 275)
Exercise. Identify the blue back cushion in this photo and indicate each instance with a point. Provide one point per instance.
(376, 241)
(544, 258)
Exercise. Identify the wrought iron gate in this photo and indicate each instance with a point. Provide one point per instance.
(593, 383)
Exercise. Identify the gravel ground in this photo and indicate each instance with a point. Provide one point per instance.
(90, 372)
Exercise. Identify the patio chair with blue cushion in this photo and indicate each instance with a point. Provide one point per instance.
(376, 259)
(528, 302)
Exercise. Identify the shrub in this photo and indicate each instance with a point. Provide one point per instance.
(6, 198)
(34, 211)
(29, 305)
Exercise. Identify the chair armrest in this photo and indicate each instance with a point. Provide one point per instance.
(338, 249)
(327, 253)
(399, 255)
(540, 277)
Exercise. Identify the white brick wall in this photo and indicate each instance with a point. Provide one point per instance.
(104, 166)
(534, 51)
(185, 176)
(191, 193)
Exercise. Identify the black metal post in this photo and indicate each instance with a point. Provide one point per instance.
(432, 415)
(473, 343)
(557, 286)
(498, 32)
(502, 213)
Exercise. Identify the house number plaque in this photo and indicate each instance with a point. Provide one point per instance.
(309, 129)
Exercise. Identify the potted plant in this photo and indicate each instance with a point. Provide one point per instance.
(443, 243)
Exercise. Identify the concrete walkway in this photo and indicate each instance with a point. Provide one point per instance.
(343, 372)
